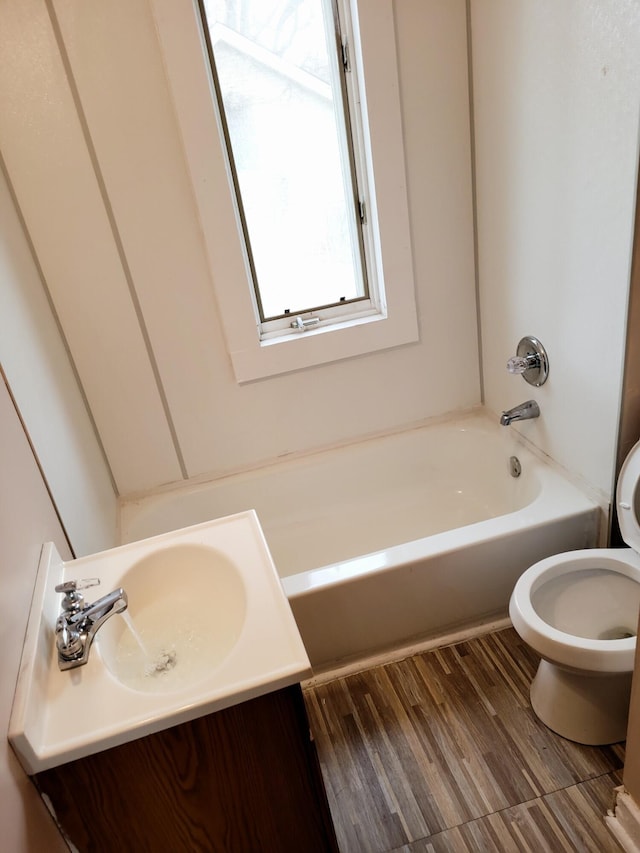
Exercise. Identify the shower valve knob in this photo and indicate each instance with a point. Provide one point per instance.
(518, 364)
(530, 361)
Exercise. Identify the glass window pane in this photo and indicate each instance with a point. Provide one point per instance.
(282, 102)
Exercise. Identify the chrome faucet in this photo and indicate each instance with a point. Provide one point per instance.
(522, 412)
(78, 623)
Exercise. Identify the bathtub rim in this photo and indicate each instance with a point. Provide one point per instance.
(134, 510)
(549, 505)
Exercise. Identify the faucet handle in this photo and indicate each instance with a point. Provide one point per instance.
(73, 600)
(68, 640)
(530, 361)
(68, 586)
(519, 363)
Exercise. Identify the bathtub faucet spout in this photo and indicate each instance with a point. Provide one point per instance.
(520, 413)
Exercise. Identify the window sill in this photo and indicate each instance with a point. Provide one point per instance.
(353, 337)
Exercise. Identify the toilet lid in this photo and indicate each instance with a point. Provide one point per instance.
(628, 498)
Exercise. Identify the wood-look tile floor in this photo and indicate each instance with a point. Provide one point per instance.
(441, 752)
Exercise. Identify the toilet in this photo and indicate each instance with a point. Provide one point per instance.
(579, 612)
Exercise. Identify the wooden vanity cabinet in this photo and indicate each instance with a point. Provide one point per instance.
(242, 780)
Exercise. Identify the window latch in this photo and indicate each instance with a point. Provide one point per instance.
(346, 60)
(301, 325)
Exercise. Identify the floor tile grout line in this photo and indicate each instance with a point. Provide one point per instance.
(590, 778)
(499, 811)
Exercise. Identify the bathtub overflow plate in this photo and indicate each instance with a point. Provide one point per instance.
(515, 468)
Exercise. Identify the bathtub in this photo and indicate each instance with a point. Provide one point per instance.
(395, 539)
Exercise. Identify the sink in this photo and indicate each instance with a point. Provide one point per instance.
(187, 608)
(208, 626)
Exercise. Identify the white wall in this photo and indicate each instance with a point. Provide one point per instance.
(93, 152)
(27, 520)
(557, 99)
(44, 387)
(94, 155)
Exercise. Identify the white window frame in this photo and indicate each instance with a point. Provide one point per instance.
(394, 323)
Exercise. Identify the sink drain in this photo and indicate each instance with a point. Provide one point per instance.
(165, 661)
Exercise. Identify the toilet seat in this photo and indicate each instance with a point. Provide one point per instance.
(582, 685)
(628, 498)
(588, 655)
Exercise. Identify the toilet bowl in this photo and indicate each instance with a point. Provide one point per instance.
(579, 612)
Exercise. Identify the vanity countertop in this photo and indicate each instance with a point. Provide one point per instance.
(212, 587)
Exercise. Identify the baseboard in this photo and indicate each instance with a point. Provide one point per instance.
(323, 674)
(623, 821)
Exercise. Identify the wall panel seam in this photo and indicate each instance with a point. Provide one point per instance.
(474, 198)
(56, 318)
(116, 235)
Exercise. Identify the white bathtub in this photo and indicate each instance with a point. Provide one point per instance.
(395, 539)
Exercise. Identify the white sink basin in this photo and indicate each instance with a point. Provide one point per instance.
(187, 609)
(211, 624)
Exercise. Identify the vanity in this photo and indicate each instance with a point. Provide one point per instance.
(242, 780)
(210, 749)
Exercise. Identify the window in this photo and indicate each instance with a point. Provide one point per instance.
(328, 246)
(281, 70)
